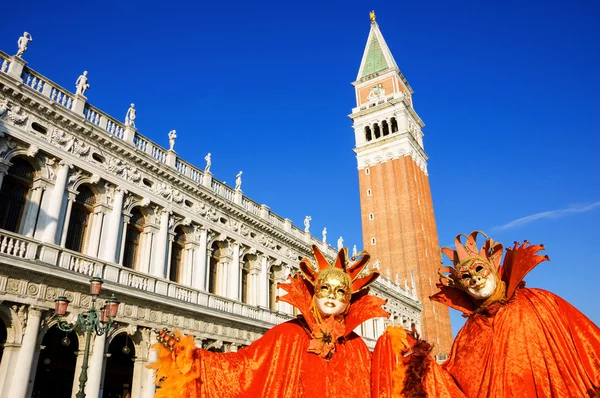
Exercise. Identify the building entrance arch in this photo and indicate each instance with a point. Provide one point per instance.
(56, 365)
(118, 376)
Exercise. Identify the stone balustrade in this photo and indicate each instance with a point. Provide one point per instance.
(16, 246)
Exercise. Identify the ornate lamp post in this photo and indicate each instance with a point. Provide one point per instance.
(92, 321)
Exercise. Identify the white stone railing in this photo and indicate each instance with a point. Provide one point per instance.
(4, 61)
(141, 143)
(80, 263)
(60, 95)
(222, 190)
(251, 206)
(47, 88)
(34, 80)
(276, 220)
(15, 245)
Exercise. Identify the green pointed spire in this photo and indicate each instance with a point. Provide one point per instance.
(375, 61)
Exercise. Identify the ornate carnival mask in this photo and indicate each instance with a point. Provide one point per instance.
(474, 271)
(335, 284)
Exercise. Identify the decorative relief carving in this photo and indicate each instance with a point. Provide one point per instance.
(124, 170)
(16, 115)
(33, 289)
(32, 150)
(69, 143)
(164, 190)
(3, 106)
(201, 208)
(12, 286)
(6, 144)
(177, 197)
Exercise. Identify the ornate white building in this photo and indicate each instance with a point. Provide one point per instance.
(81, 195)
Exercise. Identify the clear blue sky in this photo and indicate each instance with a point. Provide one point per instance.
(509, 93)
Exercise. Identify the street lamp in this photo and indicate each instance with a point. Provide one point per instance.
(93, 320)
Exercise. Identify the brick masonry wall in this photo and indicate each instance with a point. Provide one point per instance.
(406, 236)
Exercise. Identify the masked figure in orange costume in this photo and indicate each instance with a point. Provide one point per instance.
(516, 342)
(315, 355)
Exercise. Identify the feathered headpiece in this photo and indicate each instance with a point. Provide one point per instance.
(489, 254)
(311, 273)
(299, 292)
(518, 261)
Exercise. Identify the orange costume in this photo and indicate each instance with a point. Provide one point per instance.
(316, 355)
(516, 342)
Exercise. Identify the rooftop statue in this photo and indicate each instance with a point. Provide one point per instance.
(82, 83)
(130, 116)
(172, 137)
(372, 15)
(307, 220)
(208, 163)
(23, 43)
(238, 181)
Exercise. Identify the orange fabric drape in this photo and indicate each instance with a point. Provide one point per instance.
(279, 365)
(536, 345)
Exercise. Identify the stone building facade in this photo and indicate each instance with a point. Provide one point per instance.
(398, 221)
(82, 195)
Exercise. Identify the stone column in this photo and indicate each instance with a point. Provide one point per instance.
(263, 285)
(113, 228)
(92, 388)
(93, 242)
(137, 380)
(32, 211)
(253, 276)
(157, 266)
(199, 272)
(148, 388)
(10, 357)
(233, 285)
(55, 204)
(3, 171)
(18, 388)
(67, 219)
(222, 277)
(123, 237)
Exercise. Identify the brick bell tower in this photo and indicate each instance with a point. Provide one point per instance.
(397, 211)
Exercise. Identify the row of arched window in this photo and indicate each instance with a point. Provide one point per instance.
(16, 191)
(378, 130)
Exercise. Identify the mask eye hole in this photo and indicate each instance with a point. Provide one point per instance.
(341, 291)
(324, 288)
(465, 276)
(479, 268)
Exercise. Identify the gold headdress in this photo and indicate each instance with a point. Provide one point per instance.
(489, 255)
(352, 271)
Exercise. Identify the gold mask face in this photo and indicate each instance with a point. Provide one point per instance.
(333, 291)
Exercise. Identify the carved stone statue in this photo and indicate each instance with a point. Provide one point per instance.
(325, 235)
(354, 251)
(82, 83)
(307, 220)
(130, 116)
(208, 163)
(376, 92)
(340, 243)
(238, 181)
(23, 43)
(172, 136)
